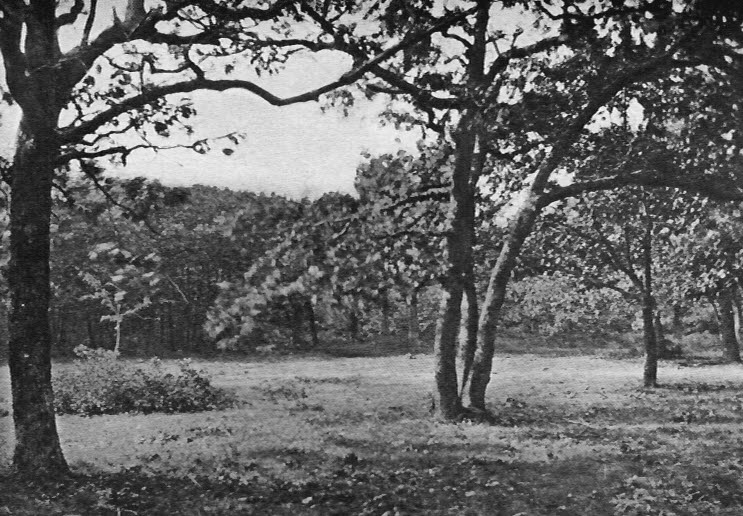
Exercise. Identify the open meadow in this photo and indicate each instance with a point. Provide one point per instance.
(320, 435)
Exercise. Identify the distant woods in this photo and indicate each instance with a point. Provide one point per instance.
(161, 271)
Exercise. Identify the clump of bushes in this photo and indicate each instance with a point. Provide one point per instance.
(99, 383)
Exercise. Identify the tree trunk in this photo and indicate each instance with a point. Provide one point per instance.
(172, 341)
(92, 340)
(737, 312)
(494, 299)
(458, 259)
(446, 397)
(469, 341)
(458, 266)
(413, 322)
(37, 450)
(650, 373)
(677, 325)
(312, 319)
(117, 329)
(62, 345)
(385, 306)
(354, 324)
(297, 313)
(518, 232)
(728, 337)
(660, 337)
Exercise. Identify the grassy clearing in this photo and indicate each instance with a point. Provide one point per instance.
(354, 436)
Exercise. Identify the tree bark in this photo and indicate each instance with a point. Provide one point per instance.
(519, 230)
(354, 324)
(312, 320)
(413, 322)
(660, 337)
(650, 373)
(459, 260)
(458, 269)
(446, 397)
(677, 325)
(728, 335)
(117, 330)
(469, 342)
(37, 450)
(296, 322)
(736, 312)
(385, 307)
(495, 297)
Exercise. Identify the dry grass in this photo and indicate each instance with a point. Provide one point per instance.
(576, 435)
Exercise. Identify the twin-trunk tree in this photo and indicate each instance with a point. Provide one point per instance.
(580, 77)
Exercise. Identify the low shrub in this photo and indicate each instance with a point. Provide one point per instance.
(99, 383)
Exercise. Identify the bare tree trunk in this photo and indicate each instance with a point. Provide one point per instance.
(519, 230)
(385, 306)
(446, 397)
(37, 450)
(162, 327)
(737, 311)
(677, 326)
(650, 373)
(172, 341)
(413, 322)
(459, 260)
(660, 337)
(354, 324)
(296, 322)
(92, 339)
(312, 319)
(469, 343)
(117, 329)
(494, 299)
(728, 336)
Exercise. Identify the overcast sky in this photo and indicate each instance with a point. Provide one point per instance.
(295, 150)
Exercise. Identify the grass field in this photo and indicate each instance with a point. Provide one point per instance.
(318, 435)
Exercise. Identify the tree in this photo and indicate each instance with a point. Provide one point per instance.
(128, 290)
(525, 104)
(618, 240)
(680, 42)
(300, 263)
(348, 253)
(522, 106)
(710, 251)
(403, 220)
(75, 102)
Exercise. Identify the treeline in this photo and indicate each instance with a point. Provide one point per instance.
(138, 266)
(154, 270)
(139, 269)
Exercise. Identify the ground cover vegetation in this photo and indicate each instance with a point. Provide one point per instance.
(577, 174)
(319, 435)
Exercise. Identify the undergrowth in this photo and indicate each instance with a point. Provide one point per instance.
(100, 383)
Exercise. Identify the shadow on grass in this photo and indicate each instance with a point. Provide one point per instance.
(470, 486)
(414, 484)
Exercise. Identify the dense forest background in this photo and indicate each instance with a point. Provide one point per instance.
(152, 270)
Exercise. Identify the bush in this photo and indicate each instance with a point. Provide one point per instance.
(100, 383)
